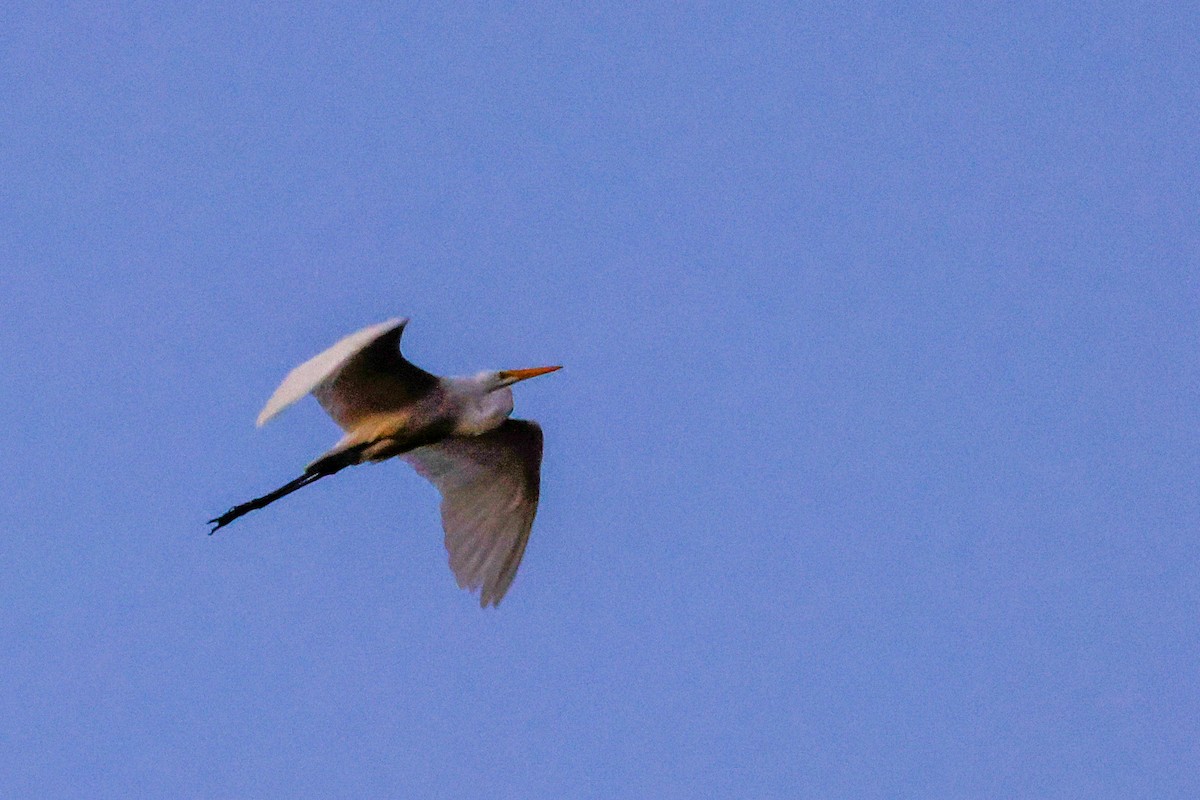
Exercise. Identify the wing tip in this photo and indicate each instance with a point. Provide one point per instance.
(393, 323)
(271, 409)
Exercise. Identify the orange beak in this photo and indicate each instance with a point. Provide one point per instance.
(514, 375)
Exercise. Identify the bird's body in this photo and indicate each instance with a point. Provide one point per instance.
(455, 431)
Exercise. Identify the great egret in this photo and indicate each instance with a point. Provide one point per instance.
(456, 432)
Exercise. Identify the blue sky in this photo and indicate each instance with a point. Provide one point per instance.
(872, 472)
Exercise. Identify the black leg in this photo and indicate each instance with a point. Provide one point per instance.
(258, 502)
(325, 465)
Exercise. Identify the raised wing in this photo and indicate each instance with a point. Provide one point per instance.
(489, 485)
(362, 374)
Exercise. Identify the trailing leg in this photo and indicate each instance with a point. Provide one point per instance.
(326, 465)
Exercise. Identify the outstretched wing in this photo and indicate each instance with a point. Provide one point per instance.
(362, 374)
(489, 485)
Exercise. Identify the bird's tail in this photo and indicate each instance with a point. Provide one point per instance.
(325, 465)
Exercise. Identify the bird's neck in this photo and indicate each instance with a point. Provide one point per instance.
(479, 408)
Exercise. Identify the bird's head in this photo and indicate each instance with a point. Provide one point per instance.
(488, 398)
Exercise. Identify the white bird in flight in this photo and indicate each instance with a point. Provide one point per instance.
(456, 432)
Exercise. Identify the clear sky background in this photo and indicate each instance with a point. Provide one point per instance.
(872, 472)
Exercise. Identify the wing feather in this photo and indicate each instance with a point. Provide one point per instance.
(490, 485)
(363, 373)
